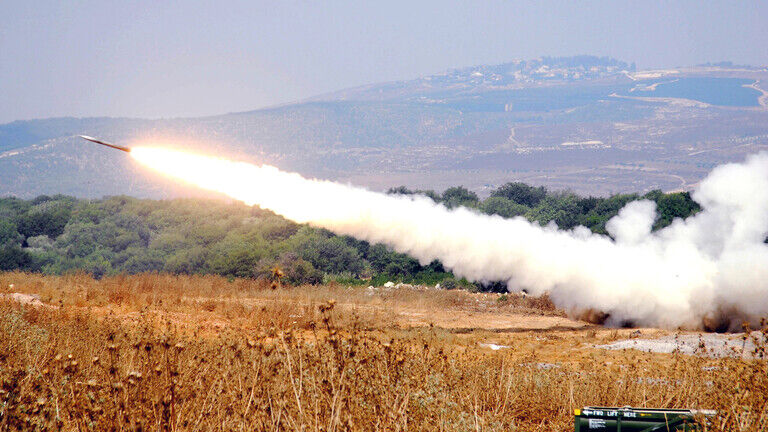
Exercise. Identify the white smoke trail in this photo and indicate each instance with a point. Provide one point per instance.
(710, 266)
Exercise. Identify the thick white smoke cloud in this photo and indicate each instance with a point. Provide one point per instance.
(704, 269)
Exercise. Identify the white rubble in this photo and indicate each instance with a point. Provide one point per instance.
(705, 344)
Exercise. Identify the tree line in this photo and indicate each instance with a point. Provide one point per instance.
(61, 234)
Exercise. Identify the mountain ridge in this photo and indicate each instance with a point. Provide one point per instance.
(595, 125)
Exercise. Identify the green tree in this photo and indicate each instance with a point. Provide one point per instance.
(275, 228)
(402, 190)
(298, 271)
(236, 258)
(561, 208)
(672, 206)
(195, 259)
(49, 218)
(12, 208)
(141, 260)
(79, 240)
(503, 207)
(521, 193)
(12, 257)
(331, 255)
(385, 261)
(9, 234)
(604, 210)
(459, 196)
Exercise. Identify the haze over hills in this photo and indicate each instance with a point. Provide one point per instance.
(594, 125)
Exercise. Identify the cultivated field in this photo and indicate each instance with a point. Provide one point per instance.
(161, 352)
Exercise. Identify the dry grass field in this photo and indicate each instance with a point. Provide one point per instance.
(200, 353)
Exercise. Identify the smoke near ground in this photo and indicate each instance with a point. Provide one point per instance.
(710, 270)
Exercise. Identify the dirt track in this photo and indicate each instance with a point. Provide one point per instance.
(492, 321)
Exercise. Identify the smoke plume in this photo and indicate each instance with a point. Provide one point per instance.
(708, 270)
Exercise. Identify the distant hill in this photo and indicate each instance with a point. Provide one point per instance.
(512, 75)
(592, 124)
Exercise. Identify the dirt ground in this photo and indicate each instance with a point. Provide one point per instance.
(115, 353)
(491, 321)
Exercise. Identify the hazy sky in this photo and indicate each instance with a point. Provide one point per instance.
(191, 58)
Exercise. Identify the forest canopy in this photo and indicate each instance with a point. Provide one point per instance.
(61, 234)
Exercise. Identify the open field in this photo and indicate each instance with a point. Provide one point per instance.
(162, 352)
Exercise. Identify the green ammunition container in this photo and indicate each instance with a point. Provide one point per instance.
(626, 419)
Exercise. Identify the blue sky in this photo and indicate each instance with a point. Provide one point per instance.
(191, 58)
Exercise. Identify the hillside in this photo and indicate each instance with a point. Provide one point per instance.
(594, 125)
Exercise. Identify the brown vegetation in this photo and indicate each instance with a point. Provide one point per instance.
(159, 352)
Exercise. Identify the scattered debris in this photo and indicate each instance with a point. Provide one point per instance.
(542, 366)
(547, 366)
(25, 299)
(493, 346)
(705, 344)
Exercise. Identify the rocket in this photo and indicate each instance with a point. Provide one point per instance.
(114, 146)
